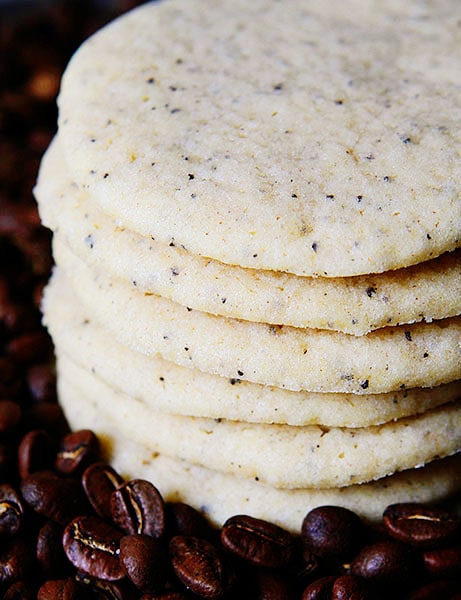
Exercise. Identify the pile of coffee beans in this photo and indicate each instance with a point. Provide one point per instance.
(70, 526)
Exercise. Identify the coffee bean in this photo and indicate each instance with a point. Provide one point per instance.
(103, 589)
(77, 450)
(145, 561)
(200, 567)
(332, 532)
(29, 347)
(138, 507)
(35, 453)
(50, 552)
(99, 480)
(443, 562)
(53, 497)
(41, 381)
(183, 519)
(92, 546)
(271, 585)
(350, 587)
(444, 589)
(20, 590)
(17, 561)
(257, 541)
(420, 525)
(60, 589)
(11, 510)
(320, 589)
(386, 562)
(10, 415)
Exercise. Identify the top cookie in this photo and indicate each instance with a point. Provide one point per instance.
(320, 139)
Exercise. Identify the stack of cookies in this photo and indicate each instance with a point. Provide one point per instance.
(256, 214)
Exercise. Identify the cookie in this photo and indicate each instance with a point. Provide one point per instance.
(356, 305)
(313, 142)
(167, 388)
(221, 496)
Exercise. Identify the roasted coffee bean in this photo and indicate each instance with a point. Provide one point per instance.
(11, 510)
(444, 589)
(271, 585)
(10, 415)
(420, 525)
(47, 416)
(257, 541)
(199, 565)
(387, 562)
(50, 553)
(138, 507)
(35, 453)
(10, 382)
(60, 589)
(168, 596)
(17, 561)
(99, 480)
(92, 546)
(320, 589)
(350, 587)
(103, 589)
(20, 590)
(443, 562)
(332, 532)
(41, 381)
(53, 497)
(77, 450)
(145, 561)
(183, 519)
(29, 347)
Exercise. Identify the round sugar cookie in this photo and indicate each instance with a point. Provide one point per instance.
(298, 136)
(356, 305)
(168, 388)
(280, 455)
(392, 358)
(221, 496)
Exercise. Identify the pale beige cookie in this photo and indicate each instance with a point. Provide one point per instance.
(392, 358)
(221, 496)
(279, 455)
(166, 387)
(356, 305)
(313, 138)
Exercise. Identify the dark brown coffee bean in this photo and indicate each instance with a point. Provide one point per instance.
(17, 561)
(20, 591)
(29, 347)
(168, 596)
(10, 382)
(257, 541)
(350, 587)
(10, 415)
(271, 585)
(48, 416)
(60, 589)
(41, 381)
(53, 497)
(11, 510)
(183, 519)
(443, 562)
(50, 553)
(333, 532)
(99, 480)
(320, 589)
(199, 566)
(386, 562)
(92, 546)
(138, 507)
(77, 450)
(420, 525)
(104, 590)
(438, 590)
(145, 561)
(35, 453)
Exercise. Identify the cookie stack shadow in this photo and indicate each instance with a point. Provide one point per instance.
(249, 390)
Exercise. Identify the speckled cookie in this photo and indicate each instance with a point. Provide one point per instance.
(222, 496)
(356, 305)
(280, 455)
(312, 142)
(418, 355)
(168, 388)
